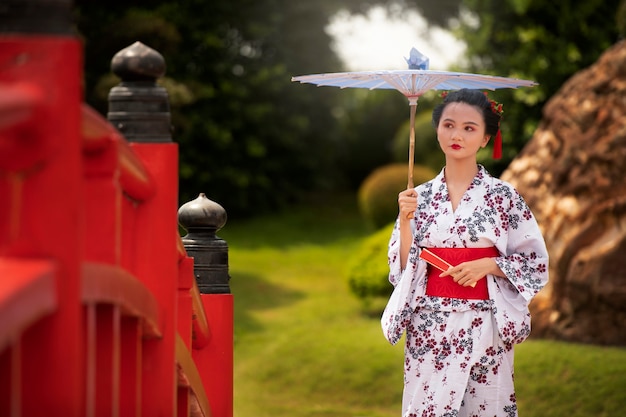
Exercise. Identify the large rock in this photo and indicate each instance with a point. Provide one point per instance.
(573, 175)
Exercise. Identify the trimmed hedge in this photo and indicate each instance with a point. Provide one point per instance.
(378, 194)
(368, 270)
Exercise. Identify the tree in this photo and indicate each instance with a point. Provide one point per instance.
(253, 141)
(533, 39)
(249, 138)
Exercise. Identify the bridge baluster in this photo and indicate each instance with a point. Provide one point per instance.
(202, 218)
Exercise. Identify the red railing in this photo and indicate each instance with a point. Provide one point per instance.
(100, 313)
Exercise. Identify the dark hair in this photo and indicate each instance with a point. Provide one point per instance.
(474, 98)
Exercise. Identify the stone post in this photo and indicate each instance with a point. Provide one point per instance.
(202, 218)
(138, 107)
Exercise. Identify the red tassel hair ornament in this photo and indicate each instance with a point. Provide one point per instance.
(497, 146)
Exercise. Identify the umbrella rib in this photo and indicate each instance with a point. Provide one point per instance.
(358, 82)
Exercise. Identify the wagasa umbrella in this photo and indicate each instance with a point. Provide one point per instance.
(413, 83)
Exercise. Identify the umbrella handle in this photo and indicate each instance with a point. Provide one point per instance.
(410, 184)
(413, 108)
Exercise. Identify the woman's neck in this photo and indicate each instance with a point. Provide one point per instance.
(459, 176)
(461, 172)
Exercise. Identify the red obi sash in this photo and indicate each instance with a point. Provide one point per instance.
(445, 286)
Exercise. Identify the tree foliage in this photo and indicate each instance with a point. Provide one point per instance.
(253, 140)
(544, 41)
(249, 137)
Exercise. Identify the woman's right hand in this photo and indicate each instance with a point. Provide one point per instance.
(407, 203)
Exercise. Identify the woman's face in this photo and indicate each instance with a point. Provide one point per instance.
(461, 131)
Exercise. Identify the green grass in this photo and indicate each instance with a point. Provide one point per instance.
(561, 379)
(304, 348)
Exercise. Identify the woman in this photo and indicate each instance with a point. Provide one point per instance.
(461, 324)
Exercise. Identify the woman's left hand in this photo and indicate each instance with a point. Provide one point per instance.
(469, 273)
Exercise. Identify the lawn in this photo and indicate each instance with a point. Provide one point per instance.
(304, 347)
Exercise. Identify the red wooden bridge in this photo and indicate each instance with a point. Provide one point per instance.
(103, 311)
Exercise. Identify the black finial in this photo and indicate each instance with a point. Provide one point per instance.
(202, 218)
(138, 62)
(138, 107)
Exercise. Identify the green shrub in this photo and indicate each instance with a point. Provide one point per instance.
(368, 270)
(378, 195)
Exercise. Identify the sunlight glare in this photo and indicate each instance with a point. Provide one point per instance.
(379, 41)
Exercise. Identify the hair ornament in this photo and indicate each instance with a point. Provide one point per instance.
(496, 107)
(497, 146)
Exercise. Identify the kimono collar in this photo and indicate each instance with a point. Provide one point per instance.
(482, 176)
(480, 189)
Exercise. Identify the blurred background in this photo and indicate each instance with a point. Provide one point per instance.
(255, 141)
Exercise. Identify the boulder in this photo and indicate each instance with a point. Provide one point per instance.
(573, 175)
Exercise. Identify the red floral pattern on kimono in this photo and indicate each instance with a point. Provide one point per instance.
(459, 353)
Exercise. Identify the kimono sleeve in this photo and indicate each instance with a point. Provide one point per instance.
(409, 287)
(526, 261)
(393, 253)
(393, 256)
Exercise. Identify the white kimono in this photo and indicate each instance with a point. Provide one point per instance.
(459, 353)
